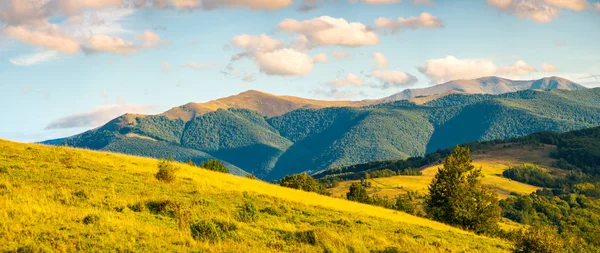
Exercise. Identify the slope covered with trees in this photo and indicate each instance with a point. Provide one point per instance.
(314, 140)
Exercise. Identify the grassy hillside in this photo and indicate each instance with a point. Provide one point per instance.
(492, 160)
(64, 199)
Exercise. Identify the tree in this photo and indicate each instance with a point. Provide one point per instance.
(357, 193)
(456, 196)
(303, 182)
(214, 165)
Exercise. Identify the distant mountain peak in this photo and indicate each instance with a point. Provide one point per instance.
(486, 85)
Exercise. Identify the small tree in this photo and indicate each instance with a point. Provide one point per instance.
(303, 182)
(537, 239)
(214, 165)
(357, 193)
(457, 197)
(166, 170)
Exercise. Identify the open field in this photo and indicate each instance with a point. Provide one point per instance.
(63, 199)
(492, 161)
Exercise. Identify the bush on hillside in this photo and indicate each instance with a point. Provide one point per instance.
(214, 165)
(303, 182)
(530, 174)
(540, 240)
(248, 212)
(357, 193)
(166, 170)
(456, 196)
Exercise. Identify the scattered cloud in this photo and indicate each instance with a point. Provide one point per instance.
(35, 58)
(309, 5)
(97, 116)
(341, 55)
(284, 62)
(151, 40)
(394, 79)
(326, 30)
(452, 68)
(110, 44)
(351, 80)
(518, 69)
(320, 58)
(425, 2)
(335, 93)
(45, 35)
(549, 68)
(256, 43)
(380, 61)
(540, 11)
(425, 20)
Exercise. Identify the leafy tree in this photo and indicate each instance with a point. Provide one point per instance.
(457, 197)
(214, 165)
(357, 193)
(303, 182)
(530, 174)
(538, 240)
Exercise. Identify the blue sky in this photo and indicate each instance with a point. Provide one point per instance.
(70, 65)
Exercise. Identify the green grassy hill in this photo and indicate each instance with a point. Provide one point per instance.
(65, 199)
(315, 140)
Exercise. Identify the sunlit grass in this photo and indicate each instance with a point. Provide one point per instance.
(62, 199)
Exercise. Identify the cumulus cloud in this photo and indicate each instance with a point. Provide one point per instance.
(541, 11)
(212, 4)
(97, 116)
(284, 62)
(351, 80)
(47, 36)
(452, 68)
(35, 58)
(335, 93)
(395, 78)
(256, 43)
(111, 44)
(518, 69)
(381, 61)
(341, 55)
(425, 20)
(546, 67)
(326, 30)
(150, 39)
(320, 58)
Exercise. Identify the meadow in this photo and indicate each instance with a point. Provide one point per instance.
(60, 199)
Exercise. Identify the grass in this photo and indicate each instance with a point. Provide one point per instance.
(109, 202)
(493, 162)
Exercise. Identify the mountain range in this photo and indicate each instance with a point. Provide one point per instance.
(272, 136)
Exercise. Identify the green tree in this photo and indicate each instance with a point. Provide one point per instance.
(357, 193)
(303, 182)
(214, 165)
(456, 196)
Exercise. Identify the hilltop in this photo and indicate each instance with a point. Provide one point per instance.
(486, 85)
(79, 200)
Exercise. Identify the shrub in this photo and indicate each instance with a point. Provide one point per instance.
(247, 212)
(308, 237)
(357, 193)
(272, 211)
(214, 165)
(91, 219)
(163, 207)
(166, 170)
(205, 230)
(303, 182)
(538, 240)
(251, 176)
(137, 207)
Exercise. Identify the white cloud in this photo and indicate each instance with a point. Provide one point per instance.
(341, 55)
(541, 11)
(46, 35)
(425, 20)
(212, 4)
(111, 44)
(97, 116)
(518, 69)
(395, 78)
(35, 58)
(326, 30)
(351, 80)
(452, 68)
(549, 68)
(255, 43)
(320, 58)
(150, 39)
(380, 61)
(284, 62)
